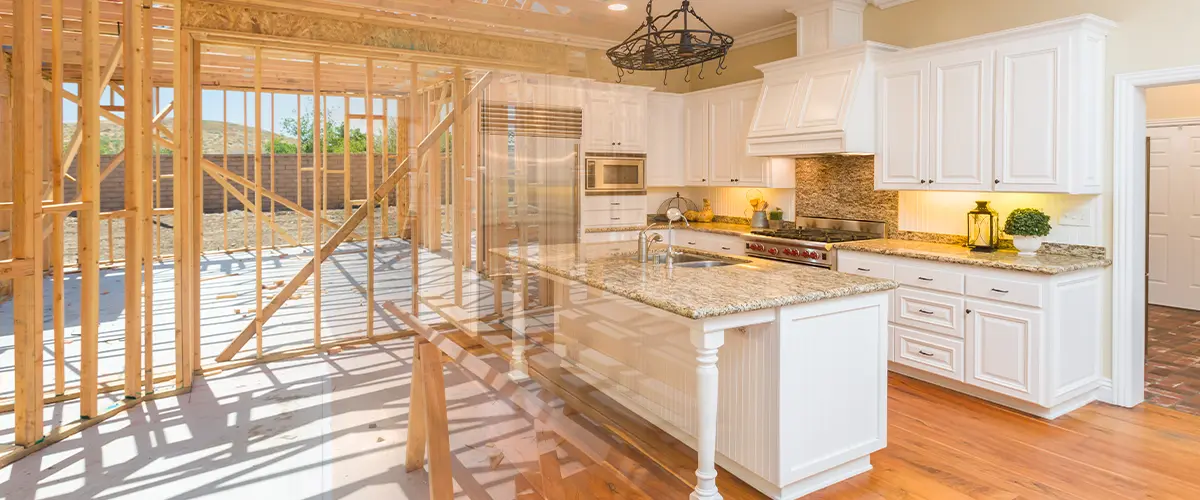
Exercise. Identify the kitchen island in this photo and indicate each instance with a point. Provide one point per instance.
(801, 352)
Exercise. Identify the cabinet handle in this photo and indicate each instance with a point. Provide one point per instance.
(968, 311)
(922, 311)
(703, 180)
(726, 248)
(922, 181)
(615, 203)
(864, 270)
(997, 290)
(997, 181)
(926, 354)
(922, 278)
(616, 218)
(691, 243)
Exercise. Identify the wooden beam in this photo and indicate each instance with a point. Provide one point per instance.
(258, 214)
(57, 176)
(246, 201)
(216, 170)
(135, 164)
(437, 426)
(414, 447)
(27, 105)
(318, 191)
(89, 220)
(370, 112)
(416, 193)
(145, 219)
(182, 194)
(457, 183)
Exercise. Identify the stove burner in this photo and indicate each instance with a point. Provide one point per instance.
(816, 234)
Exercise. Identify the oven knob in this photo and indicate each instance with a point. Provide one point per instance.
(794, 253)
(810, 254)
(773, 251)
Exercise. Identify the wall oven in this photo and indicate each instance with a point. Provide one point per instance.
(611, 172)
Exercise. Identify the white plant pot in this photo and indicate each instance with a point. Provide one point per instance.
(1027, 245)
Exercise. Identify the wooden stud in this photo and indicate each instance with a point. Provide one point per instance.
(414, 448)
(274, 242)
(181, 196)
(386, 209)
(345, 156)
(225, 164)
(416, 181)
(246, 163)
(258, 214)
(197, 223)
(6, 167)
(457, 186)
(57, 174)
(437, 427)
(135, 162)
(27, 218)
(370, 111)
(146, 203)
(299, 173)
(317, 200)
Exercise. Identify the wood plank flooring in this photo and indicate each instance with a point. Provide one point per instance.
(1173, 358)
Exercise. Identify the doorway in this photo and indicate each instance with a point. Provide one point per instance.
(1173, 247)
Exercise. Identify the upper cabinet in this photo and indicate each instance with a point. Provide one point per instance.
(665, 150)
(716, 125)
(616, 119)
(1014, 111)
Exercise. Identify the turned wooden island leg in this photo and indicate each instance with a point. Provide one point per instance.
(706, 344)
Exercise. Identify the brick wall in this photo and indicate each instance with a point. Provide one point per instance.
(112, 190)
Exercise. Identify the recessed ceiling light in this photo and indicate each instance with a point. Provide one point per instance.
(617, 7)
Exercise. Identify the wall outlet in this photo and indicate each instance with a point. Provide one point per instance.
(1079, 217)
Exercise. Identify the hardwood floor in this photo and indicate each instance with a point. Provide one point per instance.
(1173, 358)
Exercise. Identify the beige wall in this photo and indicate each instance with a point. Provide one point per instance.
(741, 62)
(1167, 103)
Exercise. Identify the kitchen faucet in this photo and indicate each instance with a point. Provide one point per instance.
(673, 214)
(645, 241)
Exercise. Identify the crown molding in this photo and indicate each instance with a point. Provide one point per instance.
(766, 34)
(885, 4)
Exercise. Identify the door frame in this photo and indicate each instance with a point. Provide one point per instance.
(1129, 226)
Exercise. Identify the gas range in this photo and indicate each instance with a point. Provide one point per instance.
(811, 242)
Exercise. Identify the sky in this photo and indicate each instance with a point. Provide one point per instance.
(214, 107)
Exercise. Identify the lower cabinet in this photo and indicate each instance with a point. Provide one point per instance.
(1026, 340)
(1000, 342)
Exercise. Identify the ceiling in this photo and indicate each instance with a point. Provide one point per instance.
(587, 23)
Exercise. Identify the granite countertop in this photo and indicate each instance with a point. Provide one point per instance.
(1042, 263)
(704, 227)
(696, 293)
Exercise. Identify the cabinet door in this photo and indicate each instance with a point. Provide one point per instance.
(1031, 107)
(695, 129)
(750, 171)
(960, 132)
(722, 127)
(900, 157)
(629, 121)
(664, 151)
(598, 121)
(781, 92)
(1002, 346)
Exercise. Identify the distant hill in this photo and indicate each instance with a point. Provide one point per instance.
(112, 136)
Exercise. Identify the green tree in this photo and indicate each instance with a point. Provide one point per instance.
(333, 135)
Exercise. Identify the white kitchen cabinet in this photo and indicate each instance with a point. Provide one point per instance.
(615, 118)
(1016, 111)
(1025, 340)
(1001, 356)
(665, 163)
(716, 126)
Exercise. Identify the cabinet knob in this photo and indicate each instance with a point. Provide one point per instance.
(703, 180)
(968, 311)
(922, 181)
(931, 181)
(997, 181)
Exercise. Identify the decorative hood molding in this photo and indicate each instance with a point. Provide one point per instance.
(823, 100)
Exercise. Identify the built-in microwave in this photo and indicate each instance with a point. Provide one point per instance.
(608, 172)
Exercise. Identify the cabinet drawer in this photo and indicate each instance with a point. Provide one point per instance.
(594, 218)
(610, 237)
(718, 243)
(932, 311)
(932, 353)
(930, 278)
(614, 203)
(1016, 292)
(853, 264)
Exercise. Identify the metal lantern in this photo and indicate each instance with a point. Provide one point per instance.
(983, 228)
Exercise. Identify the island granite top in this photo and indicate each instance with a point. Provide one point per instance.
(753, 285)
(1042, 263)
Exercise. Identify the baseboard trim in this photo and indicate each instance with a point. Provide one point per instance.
(1036, 410)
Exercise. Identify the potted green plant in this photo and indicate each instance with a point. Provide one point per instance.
(1027, 226)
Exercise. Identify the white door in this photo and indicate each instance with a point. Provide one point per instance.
(629, 122)
(1174, 229)
(695, 131)
(960, 135)
(901, 111)
(722, 118)
(751, 171)
(1002, 344)
(1031, 108)
(598, 121)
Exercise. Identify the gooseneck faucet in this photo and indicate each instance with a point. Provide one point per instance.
(645, 241)
(673, 215)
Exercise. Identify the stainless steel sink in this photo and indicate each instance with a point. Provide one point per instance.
(693, 260)
(704, 264)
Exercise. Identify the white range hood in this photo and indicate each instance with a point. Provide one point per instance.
(823, 100)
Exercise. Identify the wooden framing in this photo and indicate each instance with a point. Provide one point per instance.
(135, 163)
